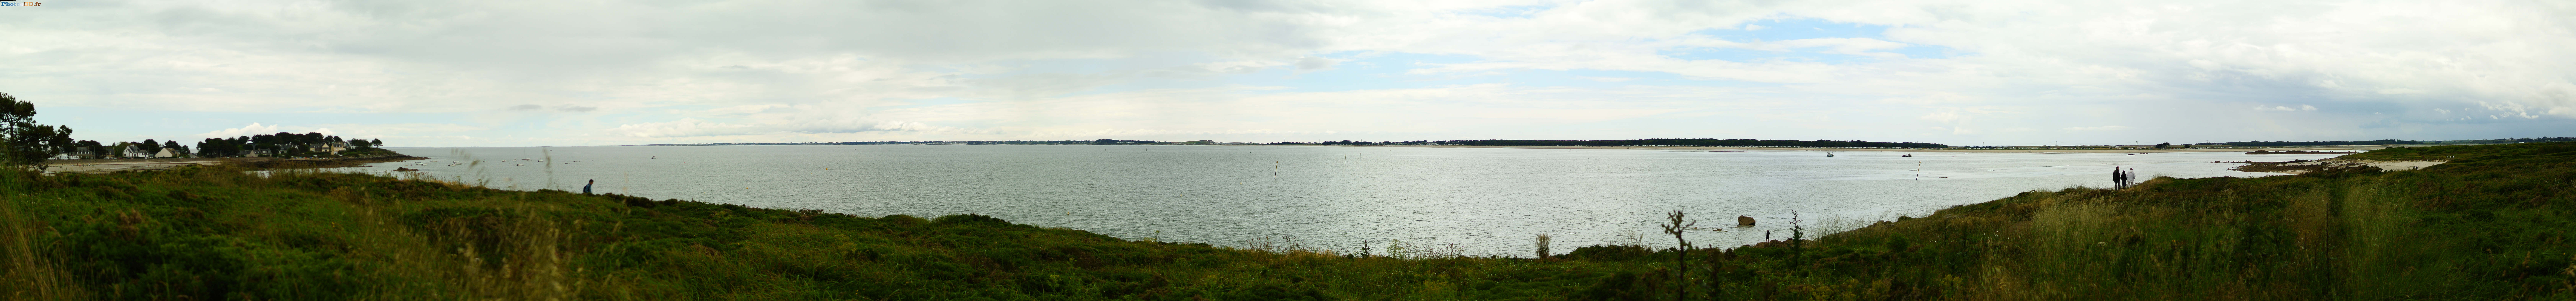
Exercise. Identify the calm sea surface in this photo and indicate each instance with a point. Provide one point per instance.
(1483, 200)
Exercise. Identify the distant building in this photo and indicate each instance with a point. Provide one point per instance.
(80, 153)
(167, 153)
(135, 151)
(329, 147)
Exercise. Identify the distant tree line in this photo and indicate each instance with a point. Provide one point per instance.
(284, 144)
(1034, 142)
(25, 142)
(1696, 142)
(1096, 142)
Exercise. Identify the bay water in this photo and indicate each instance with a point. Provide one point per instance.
(1462, 201)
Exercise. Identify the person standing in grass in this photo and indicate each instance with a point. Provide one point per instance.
(585, 187)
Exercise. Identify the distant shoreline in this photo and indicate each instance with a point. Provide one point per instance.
(1853, 149)
(1925, 150)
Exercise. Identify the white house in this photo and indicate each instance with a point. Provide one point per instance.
(135, 151)
(77, 153)
(329, 148)
(167, 153)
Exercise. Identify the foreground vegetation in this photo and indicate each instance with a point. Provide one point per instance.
(2489, 225)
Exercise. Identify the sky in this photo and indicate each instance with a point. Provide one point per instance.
(1984, 72)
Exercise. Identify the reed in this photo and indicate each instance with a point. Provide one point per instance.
(1542, 246)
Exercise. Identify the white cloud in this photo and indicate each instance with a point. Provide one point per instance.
(2285, 108)
(815, 69)
(686, 127)
(1312, 63)
(1851, 46)
(247, 130)
(257, 129)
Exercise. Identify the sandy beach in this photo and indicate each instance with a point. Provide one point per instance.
(114, 165)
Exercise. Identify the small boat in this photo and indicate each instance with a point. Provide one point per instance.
(1909, 156)
(1829, 154)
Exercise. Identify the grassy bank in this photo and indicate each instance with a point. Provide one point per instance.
(2490, 225)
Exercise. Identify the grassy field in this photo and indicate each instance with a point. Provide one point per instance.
(2490, 225)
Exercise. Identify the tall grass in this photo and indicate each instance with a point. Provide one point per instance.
(30, 273)
(220, 233)
(2490, 225)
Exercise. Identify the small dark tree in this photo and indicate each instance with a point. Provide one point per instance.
(1797, 239)
(62, 141)
(27, 144)
(2164, 145)
(1681, 254)
(14, 113)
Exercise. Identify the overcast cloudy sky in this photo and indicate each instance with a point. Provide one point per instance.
(1984, 72)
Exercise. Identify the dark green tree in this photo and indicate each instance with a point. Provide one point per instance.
(14, 113)
(62, 141)
(95, 149)
(22, 141)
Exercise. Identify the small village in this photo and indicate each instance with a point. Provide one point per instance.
(288, 145)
